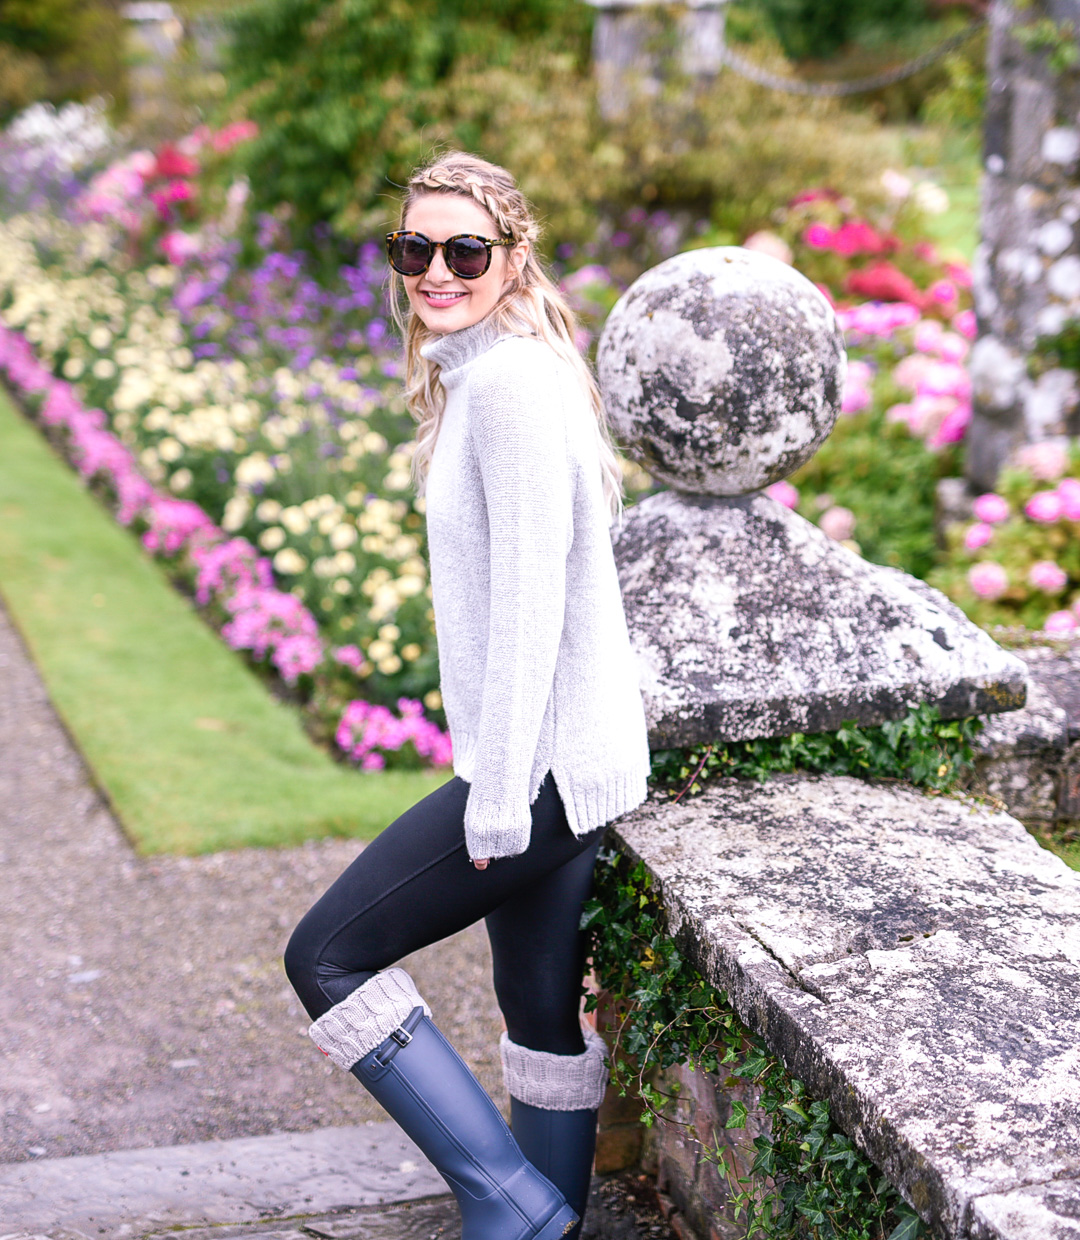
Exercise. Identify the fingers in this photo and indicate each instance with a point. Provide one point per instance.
(482, 865)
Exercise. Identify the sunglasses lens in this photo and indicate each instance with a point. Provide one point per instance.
(467, 257)
(410, 254)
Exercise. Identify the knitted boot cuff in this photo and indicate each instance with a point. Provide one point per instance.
(367, 1017)
(556, 1082)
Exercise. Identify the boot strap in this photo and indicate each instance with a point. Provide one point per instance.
(398, 1038)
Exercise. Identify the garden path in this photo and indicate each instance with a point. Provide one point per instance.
(144, 1002)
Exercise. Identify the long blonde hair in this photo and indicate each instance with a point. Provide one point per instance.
(531, 305)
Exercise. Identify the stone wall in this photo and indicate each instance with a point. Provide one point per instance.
(1027, 266)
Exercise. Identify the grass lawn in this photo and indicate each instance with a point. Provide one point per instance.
(192, 752)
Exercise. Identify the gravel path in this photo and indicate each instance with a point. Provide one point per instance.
(143, 1000)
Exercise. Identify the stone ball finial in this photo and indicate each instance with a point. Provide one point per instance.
(722, 370)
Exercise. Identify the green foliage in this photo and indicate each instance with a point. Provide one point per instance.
(921, 748)
(1062, 349)
(351, 95)
(1057, 39)
(887, 477)
(808, 1178)
(808, 28)
(341, 89)
(59, 50)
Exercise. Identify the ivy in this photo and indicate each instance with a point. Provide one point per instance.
(921, 748)
(808, 1180)
(1058, 39)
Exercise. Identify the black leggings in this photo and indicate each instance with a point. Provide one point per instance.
(414, 884)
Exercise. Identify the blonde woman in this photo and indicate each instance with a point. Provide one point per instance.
(544, 712)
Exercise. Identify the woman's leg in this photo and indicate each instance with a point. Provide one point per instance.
(414, 885)
(555, 1079)
(411, 886)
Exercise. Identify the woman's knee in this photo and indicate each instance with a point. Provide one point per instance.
(302, 968)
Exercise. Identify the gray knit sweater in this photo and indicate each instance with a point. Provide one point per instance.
(535, 662)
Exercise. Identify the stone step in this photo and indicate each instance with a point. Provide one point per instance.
(912, 959)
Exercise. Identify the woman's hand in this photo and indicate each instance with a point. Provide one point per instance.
(482, 865)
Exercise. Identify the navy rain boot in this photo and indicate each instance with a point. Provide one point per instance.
(560, 1145)
(424, 1084)
(553, 1112)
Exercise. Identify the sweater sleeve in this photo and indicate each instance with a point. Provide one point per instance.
(517, 425)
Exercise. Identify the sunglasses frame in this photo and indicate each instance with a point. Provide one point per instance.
(435, 245)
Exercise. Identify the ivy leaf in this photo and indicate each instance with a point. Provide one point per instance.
(908, 1228)
(738, 1116)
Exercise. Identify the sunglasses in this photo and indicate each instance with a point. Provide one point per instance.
(467, 256)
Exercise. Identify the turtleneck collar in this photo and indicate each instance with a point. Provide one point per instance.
(455, 349)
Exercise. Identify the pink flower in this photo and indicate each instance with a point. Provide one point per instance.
(765, 242)
(784, 493)
(991, 508)
(978, 535)
(953, 426)
(899, 413)
(855, 399)
(944, 292)
(928, 334)
(953, 347)
(988, 580)
(838, 522)
(1047, 576)
(1045, 461)
(965, 324)
(349, 656)
(1068, 490)
(1044, 507)
(818, 236)
(1060, 622)
(179, 246)
(909, 372)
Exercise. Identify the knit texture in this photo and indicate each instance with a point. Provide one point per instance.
(537, 673)
(367, 1017)
(556, 1082)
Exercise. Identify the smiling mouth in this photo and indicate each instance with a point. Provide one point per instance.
(443, 299)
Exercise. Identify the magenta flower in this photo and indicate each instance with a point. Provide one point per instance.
(988, 580)
(1047, 576)
(953, 426)
(978, 535)
(349, 656)
(965, 324)
(818, 236)
(1068, 490)
(991, 508)
(784, 493)
(1045, 507)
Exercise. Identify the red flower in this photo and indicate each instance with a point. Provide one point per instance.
(170, 163)
(881, 281)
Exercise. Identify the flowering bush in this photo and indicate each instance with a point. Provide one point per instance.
(1018, 562)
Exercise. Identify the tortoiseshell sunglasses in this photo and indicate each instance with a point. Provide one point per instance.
(467, 255)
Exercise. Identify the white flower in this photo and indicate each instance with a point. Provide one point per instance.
(269, 510)
(272, 538)
(288, 561)
(100, 337)
(295, 520)
(931, 198)
(169, 449)
(254, 469)
(181, 480)
(104, 368)
(343, 536)
(236, 513)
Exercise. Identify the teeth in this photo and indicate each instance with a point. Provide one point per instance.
(443, 296)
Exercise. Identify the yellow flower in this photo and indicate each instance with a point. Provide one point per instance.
(389, 665)
(169, 449)
(411, 652)
(433, 699)
(389, 632)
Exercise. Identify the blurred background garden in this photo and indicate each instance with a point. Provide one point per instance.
(194, 311)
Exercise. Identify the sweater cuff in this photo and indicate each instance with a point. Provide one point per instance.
(496, 830)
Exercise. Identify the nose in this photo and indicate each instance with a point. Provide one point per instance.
(438, 269)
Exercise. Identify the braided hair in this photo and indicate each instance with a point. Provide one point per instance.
(530, 305)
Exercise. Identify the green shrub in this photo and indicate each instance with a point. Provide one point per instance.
(350, 100)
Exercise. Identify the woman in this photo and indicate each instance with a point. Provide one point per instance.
(544, 712)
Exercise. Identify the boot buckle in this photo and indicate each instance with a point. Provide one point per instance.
(401, 1036)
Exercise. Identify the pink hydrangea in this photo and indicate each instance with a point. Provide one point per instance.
(838, 522)
(1047, 576)
(1045, 461)
(943, 292)
(349, 656)
(1060, 622)
(978, 535)
(928, 334)
(953, 426)
(784, 493)
(991, 508)
(953, 347)
(988, 580)
(1068, 490)
(1044, 507)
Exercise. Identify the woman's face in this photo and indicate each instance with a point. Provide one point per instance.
(443, 301)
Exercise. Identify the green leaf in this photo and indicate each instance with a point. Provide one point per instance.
(908, 1228)
(737, 1119)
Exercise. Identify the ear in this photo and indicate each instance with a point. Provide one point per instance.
(517, 255)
